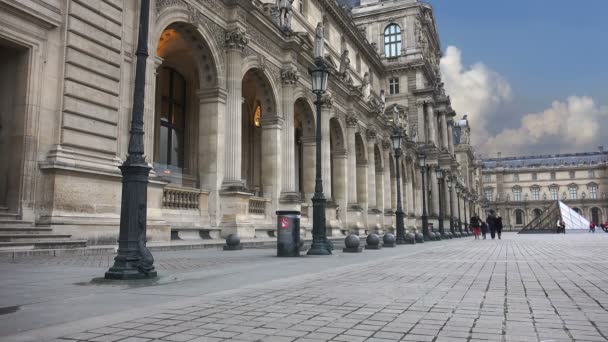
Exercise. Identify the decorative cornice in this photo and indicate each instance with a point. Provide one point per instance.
(236, 39)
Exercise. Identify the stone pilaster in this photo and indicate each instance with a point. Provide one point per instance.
(371, 169)
(272, 127)
(235, 42)
(450, 123)
(434, 194)
(387, 201)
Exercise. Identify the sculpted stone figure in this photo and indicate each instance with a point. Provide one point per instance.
(285, 13)
(366, 88)
(319, 41)
(344, 63)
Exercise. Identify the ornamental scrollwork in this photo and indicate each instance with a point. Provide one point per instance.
(370, 134)
(290, 76)
(236, 39)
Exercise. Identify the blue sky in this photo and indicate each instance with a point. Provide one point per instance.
(547, 50)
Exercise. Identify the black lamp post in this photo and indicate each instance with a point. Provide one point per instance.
(397, 139)
(465, 199)
(320, 245)
(134, 260)
(449, 181)
(439, 175)
(425, 218)
(458, 190)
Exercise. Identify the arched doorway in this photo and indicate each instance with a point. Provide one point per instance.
(361, 158)
(14, 60)
(578, 210)
(186, 68)
(258, 105)
(596, 215)
(338, 162)
(304, 133)
(519, 217)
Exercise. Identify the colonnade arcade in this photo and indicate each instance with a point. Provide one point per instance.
(240, 142)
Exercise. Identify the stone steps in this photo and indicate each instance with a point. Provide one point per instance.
(19, 236)
(29, 230)
(43, 244)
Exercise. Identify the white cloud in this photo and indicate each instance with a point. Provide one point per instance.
(570, 126)
(476, 91)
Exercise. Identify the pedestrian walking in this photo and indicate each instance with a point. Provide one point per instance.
(492, 224)
(499, 226)
(484, 229)
(562, 226)
(475, 223)
(592, 227)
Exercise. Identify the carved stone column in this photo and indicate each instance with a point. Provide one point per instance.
(444, 130)
(326, 113)
(432, 120)
(450, 125)
(234, 198)
(387, 202)
(371, 169)
(351, 130)
(272, 128)
(290, 199)
(421, 122)
(235, 42)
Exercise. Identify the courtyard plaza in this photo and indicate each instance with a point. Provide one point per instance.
(521, 288)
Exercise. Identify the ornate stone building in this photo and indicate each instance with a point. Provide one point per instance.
(520, 188)
(229, 117)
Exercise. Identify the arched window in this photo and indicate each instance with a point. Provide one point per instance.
(519, 217)
(172, 117)
(392, 40)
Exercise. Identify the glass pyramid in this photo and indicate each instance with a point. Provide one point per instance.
(547, 221)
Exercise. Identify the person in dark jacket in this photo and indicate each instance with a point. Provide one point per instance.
(476, 224)
(484, 229)
(499, 226)
(492, 224)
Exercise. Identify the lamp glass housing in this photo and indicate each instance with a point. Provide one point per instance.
(439, 173)
(319, 79)
(422, 160)
(449, 181)
(396, 139)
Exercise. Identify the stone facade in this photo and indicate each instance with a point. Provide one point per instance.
(229, 114)
(520, 188)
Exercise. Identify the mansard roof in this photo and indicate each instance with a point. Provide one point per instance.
(552, 160)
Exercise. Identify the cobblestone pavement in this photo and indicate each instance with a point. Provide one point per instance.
(521, 288)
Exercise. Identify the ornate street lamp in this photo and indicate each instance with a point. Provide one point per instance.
(458, 191)
(449, 181)
(397, 139)
(134, 260)
(439, 175)
(320, 245)
(425, 218)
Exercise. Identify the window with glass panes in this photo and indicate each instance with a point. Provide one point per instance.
(172, 114)
(517, 194)
(593, 192)
(573, 193)
(392, 40)
(393, 85)
(516, 178)
(534, 176)
(535, 194)
(554, 193)
(489, 194)
(553, 176)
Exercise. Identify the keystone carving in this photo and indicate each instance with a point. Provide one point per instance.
(290, 76)
(236, 40)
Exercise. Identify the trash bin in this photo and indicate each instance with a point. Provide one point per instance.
(288, 233)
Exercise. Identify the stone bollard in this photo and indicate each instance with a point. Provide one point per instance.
(373, 242)
(233, 243)
(419, 238)
(389, 240)
(352, 243)
(410, 239)
(432, 236)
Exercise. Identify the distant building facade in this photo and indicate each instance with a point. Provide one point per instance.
(229, 115)
(520, 188)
